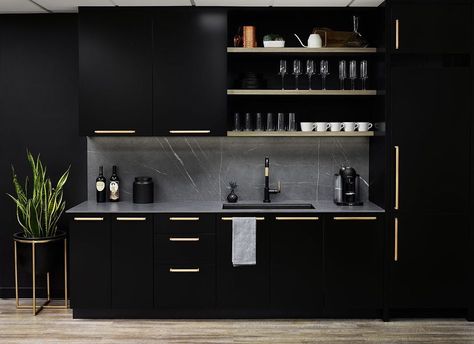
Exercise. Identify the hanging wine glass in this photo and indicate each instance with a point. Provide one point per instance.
(363, 73)
(296, 71)
(342, 73)
(282, 73)
(324, 71)
(309, 71)
(353, 73)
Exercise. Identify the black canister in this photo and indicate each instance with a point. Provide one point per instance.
(143, 190)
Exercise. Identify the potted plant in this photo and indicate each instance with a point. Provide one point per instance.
(39, 206)
(273, 41)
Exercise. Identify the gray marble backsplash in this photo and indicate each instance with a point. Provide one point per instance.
(189, 168)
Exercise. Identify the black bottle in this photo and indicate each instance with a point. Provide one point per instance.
(114, 186)
(100, 183)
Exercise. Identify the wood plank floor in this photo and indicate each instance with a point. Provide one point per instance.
(57, 326)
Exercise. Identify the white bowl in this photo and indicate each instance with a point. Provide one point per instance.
(274, 44)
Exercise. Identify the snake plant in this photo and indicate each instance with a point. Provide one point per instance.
(39, 205)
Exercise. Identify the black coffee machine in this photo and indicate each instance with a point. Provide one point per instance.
(346, 187)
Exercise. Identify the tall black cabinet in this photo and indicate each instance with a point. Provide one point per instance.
(430, 111)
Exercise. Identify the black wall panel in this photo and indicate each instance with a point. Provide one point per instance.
(38, 110)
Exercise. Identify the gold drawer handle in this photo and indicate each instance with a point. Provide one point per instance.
(114, 131)
(397, 34)
(184, 218)
(397, 176)
(230, 218)
(279, 218)
(88, 219)
(190, 131)
(395, 249)
(361, 218)
(131, 218)
(184, 270)
(184, 239)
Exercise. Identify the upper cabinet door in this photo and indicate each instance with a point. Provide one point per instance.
(115, 71)
(431, 130)
(190, 71)
(431, 28)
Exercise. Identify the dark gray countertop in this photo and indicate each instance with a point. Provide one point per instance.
(213, 207)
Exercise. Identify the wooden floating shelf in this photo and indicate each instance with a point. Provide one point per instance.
(302, 92)
(300, 133)
(291, 50)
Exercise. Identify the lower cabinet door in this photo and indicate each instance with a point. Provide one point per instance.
(185, 286)
(242, 286)
(132, 261)
(353, 263)
(296, 264)
(429, 261)
(89, 258)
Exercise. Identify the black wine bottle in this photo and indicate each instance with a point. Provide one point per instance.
(100, 186)
(114, 186)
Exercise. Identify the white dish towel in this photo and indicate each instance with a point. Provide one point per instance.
(244, 241)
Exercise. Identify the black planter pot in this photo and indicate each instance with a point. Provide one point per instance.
(48, 252)
(232, 197)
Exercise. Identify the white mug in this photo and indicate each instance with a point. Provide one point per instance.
(364, 126)
(350, 126)
(307, 126)
(322, 126)
(336, 126)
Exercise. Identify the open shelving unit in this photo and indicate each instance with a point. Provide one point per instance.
(249, 92)
(296, 50)
(300, 133)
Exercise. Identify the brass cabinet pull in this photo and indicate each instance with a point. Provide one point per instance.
(190, 131)
(397, 34)
(397, 176)
(184, 270)
(360, 218)
(184, 218)
(280, 218)
(184, 239)
(114, 131)
(395, 248)
(131, 218)
(88, 219)
(230, 218)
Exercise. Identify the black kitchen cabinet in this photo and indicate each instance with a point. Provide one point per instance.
(296, 264)
(90, 261)
(353, 263)
(190, 71)
(242, 286)
(431, 27)
(429, 261)
(430, 110)
(115, 72)
(132, 261)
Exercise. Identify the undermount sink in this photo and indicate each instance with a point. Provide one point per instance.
(267, 206)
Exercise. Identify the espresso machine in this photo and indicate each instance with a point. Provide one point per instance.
(346, 187)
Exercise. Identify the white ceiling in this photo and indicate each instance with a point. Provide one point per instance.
(44, 6)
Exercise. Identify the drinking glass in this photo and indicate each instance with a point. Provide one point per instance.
(237, 123)
(324, 71)
(309, 70)
(353, 73)
(259, 122)
(282, 73)
(281, 122)
(363, 73)
(342, 72)
(291, 121)
(270, 122)
(248, 122)
(296, 71)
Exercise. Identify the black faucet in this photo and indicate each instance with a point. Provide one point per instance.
(266, 190)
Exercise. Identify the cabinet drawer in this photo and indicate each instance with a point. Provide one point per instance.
(185, 286)
(185, 249)
(184, 223)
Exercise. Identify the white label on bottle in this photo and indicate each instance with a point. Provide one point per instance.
(100, 186)
(114, 190)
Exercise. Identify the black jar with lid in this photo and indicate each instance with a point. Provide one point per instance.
(143, 190)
